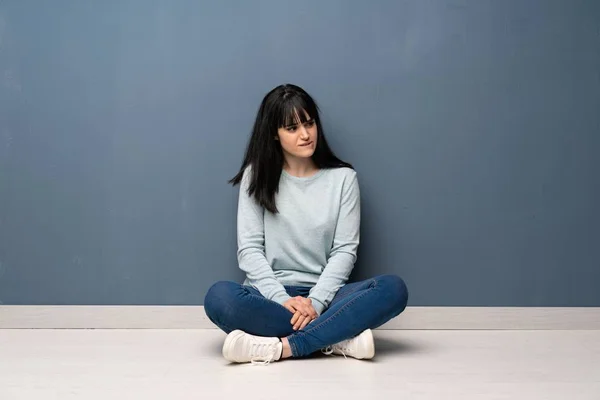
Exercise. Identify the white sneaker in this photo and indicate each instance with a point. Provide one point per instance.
(361, 347)
(241, 347)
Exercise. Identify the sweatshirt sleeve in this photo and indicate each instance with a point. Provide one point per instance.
(251, 246)
(344, 250)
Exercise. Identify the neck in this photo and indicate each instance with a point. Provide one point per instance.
(300, 167)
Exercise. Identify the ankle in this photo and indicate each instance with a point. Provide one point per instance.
(287, 350)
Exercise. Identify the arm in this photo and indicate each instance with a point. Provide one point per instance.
(251, 248)
(343, 252)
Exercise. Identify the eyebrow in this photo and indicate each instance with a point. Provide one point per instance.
(296, 124)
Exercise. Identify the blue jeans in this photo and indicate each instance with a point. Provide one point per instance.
(356, 307)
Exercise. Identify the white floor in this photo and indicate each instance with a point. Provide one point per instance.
(187, 364)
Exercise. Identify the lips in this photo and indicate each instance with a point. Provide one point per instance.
(307, 144)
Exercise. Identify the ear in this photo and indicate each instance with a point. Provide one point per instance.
(276, 137)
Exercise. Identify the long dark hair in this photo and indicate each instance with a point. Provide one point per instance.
(280, 107)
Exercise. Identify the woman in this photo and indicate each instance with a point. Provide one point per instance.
(298, 228)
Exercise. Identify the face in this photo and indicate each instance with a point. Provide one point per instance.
(299, 140)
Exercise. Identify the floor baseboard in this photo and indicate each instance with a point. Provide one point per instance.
(193, 317)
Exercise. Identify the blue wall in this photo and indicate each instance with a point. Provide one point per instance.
(474, 126)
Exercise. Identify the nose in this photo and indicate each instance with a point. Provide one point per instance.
(304, 133)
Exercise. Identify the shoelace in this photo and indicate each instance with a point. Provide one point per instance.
(329, 350)
(262, 353)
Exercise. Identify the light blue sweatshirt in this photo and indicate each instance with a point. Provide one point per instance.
(312, 241)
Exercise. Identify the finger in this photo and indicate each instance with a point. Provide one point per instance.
(290, 308)
(303, 304)
(305, 322)
(312, 313)
(299, 323)
(295, 318)
(311, 309)
(305, 309)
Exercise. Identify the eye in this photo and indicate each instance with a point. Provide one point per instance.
(310, 124)
(291, 128)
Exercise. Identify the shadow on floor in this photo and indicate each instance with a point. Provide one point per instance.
(387, 346)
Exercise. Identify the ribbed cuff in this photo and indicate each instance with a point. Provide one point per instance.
(317, 305)
(281, 297)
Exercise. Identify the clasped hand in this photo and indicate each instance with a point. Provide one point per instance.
(303, 311)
